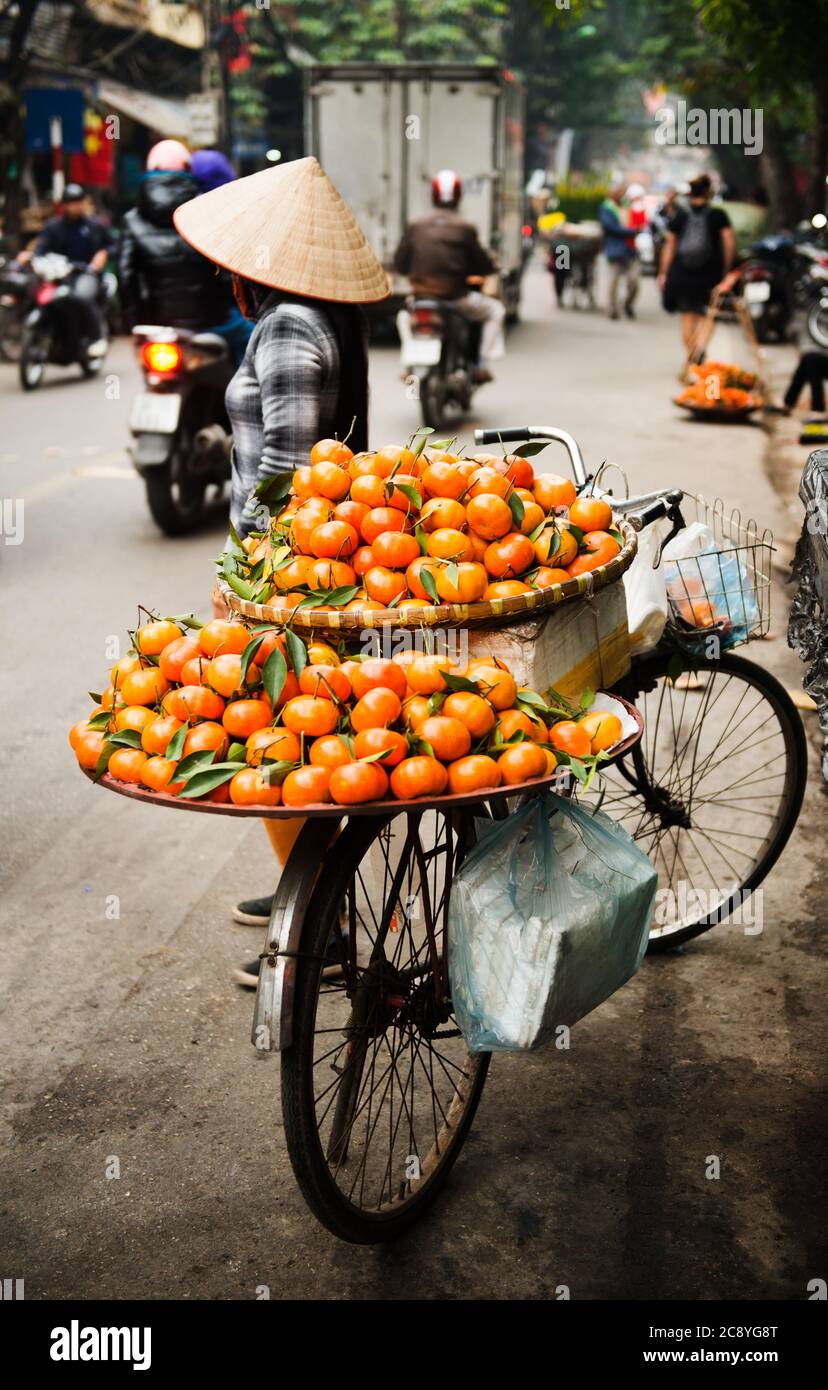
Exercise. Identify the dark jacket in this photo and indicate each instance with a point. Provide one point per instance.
(162, 279)
(438, 252)
(76, 238)
(619, 241)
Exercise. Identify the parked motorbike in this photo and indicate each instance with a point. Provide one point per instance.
(179, 425)
(53, 331)
(441, 356)
(816, 319)
(768, 281)
(17, 291)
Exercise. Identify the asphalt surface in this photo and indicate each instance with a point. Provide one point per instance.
(122, 1037)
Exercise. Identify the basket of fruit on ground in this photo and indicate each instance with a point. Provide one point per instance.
(419, 536)
(720, 391)
(215, 717)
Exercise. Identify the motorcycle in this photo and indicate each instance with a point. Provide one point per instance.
(768, 286)
(181, 431)
(17, 291)
(53, 329)
(440, 357)
(817, 317)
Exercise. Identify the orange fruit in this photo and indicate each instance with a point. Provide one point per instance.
(448, 544)
(207, 735)
(401, 500)
(387, 741)
(156, 736)
(551, 761)
(604, 729)
(269, 642)
(477, 772)
(545, 575)
(378, 672)
(376, 709)
(488, 482)
(519, 470)
(307, 714)
(175, 654)
(424, 674)
(152, 638)
(396, 456)
(355, 783)
(352, 512)
(506, 588)
(249, 788)
(381, 519)
(522, 763)
(306, 786)
(495, 685)
(330, 574)
(415, 709)
(242, 718)
(600, 548)
(220, 636)
(449, 738)
(328, 682)
(302, 483)
(533, 515)
(315, 512)
(368, 491)
(334, 540)
(570, 738)
(469, 585)
(123, 666)
(395, 550)
(126, 763)
(510, 556)
(331, 451)
(322, 654)
(513, 721)
(224, 674)
(441, 513)
(471, 710)
(145, 687)
(112, 698)
(418, 776)
(189, 702)
(564, 550)
(362, 560)
(441, 479)
(194, 671)
(329, 751)
(590, 514)
(88, 747)
(157, 774)
(383, 584)
(274, 743)
(551, 490)
(134, 717)
(413, 580)
(78, 731)
(331, 481)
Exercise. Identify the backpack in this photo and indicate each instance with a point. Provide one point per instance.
(694, 249)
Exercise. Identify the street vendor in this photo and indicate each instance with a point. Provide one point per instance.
(301, 270)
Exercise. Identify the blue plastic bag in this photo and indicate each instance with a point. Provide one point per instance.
(549, 915)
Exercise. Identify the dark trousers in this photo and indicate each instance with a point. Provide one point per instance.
(87, 286)
(811, 370)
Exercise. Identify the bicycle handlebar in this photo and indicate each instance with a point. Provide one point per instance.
(542, 433)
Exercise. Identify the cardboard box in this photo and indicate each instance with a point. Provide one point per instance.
(576, 646)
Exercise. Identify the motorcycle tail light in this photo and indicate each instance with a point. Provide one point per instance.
(527, 229)
(756, 272)
(425, 321)
(45, 294)
(162, 358)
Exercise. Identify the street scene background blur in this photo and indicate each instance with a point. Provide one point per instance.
(125, 1036)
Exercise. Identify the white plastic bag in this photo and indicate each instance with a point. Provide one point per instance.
(646, 594)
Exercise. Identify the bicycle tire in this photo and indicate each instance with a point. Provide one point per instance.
(303, 1132)
(644, 677)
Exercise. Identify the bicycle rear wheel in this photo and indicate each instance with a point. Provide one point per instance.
(713, 790)
(378, 1087)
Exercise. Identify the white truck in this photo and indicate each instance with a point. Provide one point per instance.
(381, 131)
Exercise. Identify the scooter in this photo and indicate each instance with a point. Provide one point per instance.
(179, 424)
(53, 332)
(439, 359)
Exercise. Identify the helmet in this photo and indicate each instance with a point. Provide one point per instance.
(170, 156)
(73, 193)
(211, 169)
(636, 190)
(446, 189)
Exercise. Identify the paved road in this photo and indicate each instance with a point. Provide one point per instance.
(124, 1039)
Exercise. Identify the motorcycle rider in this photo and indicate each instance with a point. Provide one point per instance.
(161, 278)
(440, 253)
(85, 241)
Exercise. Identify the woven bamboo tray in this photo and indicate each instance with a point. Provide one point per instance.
(470, 615)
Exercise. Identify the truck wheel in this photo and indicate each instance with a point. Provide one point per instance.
(176, 505)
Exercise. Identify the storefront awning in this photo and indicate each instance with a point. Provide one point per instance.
(178, 23)
(158, 113)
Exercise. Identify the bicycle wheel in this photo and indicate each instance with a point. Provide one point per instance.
(378, 1087)
(712, 791)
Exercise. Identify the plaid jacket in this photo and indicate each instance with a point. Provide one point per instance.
(281, 401)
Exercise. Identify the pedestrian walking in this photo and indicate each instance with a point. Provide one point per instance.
(811, 370)
(301, 270)
(699, 250)
(619, 249)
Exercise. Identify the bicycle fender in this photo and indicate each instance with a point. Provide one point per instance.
(273, 1015)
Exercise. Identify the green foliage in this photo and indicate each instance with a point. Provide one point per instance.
(579, 202)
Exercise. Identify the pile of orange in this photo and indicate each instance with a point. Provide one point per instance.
(728, 374)
(259, 718)
(408, 529)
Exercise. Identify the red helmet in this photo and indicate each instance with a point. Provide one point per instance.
(446, 189)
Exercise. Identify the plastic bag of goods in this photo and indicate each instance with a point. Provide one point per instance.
(707, 586)
(646, 594)
(549, 915)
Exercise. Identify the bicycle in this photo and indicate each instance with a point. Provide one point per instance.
(378, 1088)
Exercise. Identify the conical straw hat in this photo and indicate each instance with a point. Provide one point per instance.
(289, 228)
